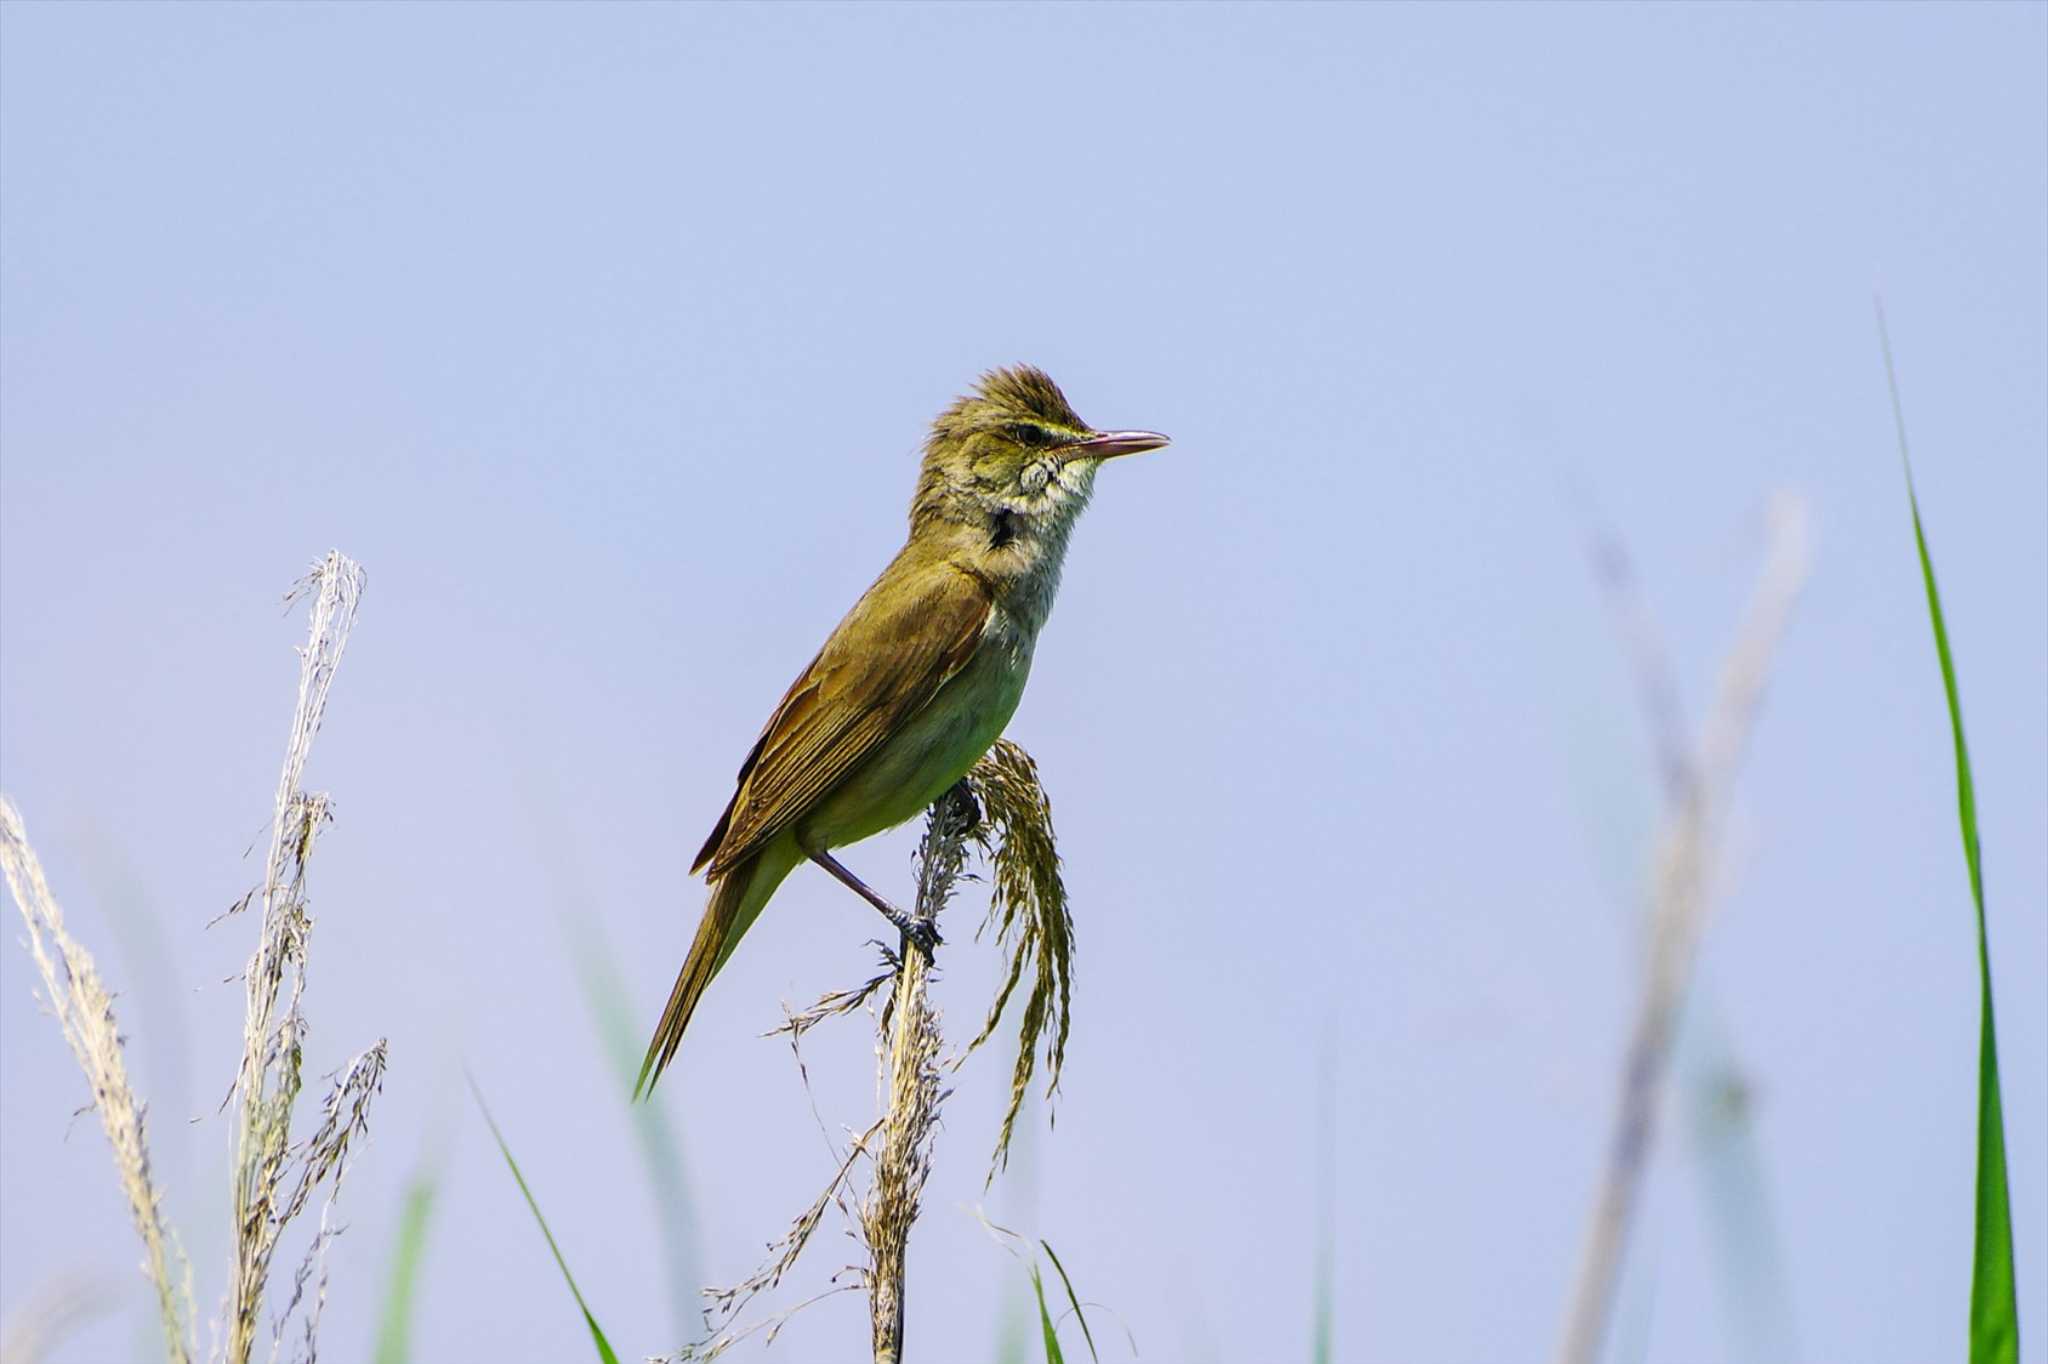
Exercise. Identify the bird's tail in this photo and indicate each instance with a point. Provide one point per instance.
(736, 901)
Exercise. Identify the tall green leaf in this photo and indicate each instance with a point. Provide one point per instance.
(604, 1347)
(1994, 1306)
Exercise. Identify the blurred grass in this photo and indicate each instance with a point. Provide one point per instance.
(1615, 796)
(1720, 1108)
(604, 990)
(1013, 1326)
(1994, 1306)
(597, 1337)
(1020, 1208)
(394, 1330)
(1009, 1347)
(1010, 1335)
(1326, 1200)
(1728, 1155)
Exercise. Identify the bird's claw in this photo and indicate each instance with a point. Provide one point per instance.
(922, 934)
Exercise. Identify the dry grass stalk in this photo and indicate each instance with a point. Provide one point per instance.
(85, 1012)
(911, 1077)
(1680, 901)
(268, 1082)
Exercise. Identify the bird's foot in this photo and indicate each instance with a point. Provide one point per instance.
(922, 934)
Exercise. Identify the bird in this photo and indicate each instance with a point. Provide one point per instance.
(918, 680)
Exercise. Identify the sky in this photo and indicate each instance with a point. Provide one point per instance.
(604, 337)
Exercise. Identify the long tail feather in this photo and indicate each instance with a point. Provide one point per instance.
(736, 901)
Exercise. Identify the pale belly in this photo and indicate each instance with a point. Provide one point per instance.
(914, 768)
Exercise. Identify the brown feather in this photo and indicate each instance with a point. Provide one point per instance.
(882, 665)
(698, 968)
(710, 848)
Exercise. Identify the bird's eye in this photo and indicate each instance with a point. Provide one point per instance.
(1024, 433)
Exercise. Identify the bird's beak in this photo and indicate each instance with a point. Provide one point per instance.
(1110, 444)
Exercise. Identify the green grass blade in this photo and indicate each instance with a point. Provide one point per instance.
(1994, 1305)
(1075, 1302)
(604, 1347)
(1052, 1340)
(394, 1331)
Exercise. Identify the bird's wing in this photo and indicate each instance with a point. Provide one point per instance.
(882, 666)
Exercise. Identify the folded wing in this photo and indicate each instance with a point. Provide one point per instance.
(905, 639)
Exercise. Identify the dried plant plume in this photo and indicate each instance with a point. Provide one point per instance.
(273, 1178)
(1699, 787)
(267, 1195)
(1033, 923)
(85, 1012)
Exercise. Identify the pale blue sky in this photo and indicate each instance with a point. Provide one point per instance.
(604, 337)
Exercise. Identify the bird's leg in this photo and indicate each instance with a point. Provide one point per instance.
(921, 932)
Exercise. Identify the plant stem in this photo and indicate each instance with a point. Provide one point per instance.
(911, 1028)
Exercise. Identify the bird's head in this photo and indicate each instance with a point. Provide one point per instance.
(1013, 460)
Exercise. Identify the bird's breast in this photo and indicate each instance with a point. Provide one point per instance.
(914, 766)
(1026, 600)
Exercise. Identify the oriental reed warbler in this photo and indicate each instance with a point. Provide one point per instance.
(919, 679)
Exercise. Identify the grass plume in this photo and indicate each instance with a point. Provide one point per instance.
(1032, 921)
(274, 1179)
(85, 1012)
